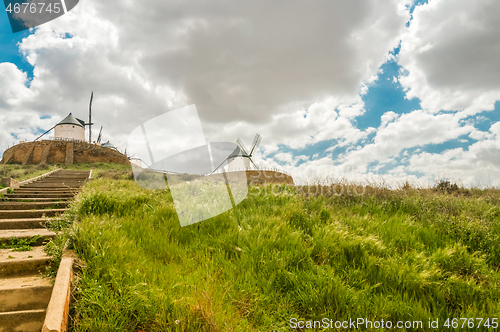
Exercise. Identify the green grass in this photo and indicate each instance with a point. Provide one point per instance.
(21, 173)
(395, 255)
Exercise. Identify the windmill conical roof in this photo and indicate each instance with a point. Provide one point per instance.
(70, 119)
(238, 153)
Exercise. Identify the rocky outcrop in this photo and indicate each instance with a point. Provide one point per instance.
(255, 177)
(60, 152)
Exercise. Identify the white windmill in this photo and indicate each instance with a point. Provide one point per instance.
(241, 157)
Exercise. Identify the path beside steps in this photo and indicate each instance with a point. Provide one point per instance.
(25, 292)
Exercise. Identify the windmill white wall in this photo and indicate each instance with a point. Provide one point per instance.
(238, 163)
(134, 160)
(70, 128)
(69, 131)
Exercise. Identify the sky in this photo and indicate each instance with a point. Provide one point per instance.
(368, 90)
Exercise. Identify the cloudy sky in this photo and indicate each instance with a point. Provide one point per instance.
(365, 89)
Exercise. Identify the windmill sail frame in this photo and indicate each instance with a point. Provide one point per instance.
(241, 152)
(255, 144)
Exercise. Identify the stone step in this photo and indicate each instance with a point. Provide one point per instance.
(84, 177)
(32, 205)
(13, 214)
(72, 188)
(47, 182)
(62, 196)
(25, 293)
(22, 321)
(27, 223)
(45, 190)
(25, 199)
(60, 183)
(65, 171)
(39, 192)
(61, 178)
(66, 174)
(26, 234)
(49, 179)
(52, 185)
(22, 263)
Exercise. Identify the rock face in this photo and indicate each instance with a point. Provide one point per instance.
(9, 182)
(255, 177)
(60, 152)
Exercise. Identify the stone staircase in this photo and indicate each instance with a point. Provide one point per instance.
(24, 290)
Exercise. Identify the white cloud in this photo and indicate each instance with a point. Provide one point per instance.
(257, 67)
(477, 166)
(480, 135)
(289, 158)
(245, 66)
(18, 121)
(450, 53)
(417, 128)
(13, 89)
(388, 117)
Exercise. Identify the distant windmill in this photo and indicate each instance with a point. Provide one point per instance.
(241, 158)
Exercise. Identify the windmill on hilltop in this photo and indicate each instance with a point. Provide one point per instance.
(241, 157)
(68, 146)
(71, 128)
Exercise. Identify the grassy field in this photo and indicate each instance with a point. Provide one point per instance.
(283, 254)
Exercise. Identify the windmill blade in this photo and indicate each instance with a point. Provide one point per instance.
(255, 144)
(254, 163)
(242, 146)
(99, 137)
(216, 168)
(44, 134)
(90, 117)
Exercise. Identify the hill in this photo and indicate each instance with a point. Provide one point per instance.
(284, 256)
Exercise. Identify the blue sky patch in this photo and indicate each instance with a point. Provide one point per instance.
(484, 120)
(463, 142)
(385, 95)
(10, 51)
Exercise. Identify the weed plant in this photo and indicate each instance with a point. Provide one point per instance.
(20, 244)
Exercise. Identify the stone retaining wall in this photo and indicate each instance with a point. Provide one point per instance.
(255, 177)
(60, 152)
